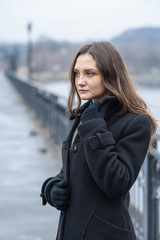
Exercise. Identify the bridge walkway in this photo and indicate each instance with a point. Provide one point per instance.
(27, 157)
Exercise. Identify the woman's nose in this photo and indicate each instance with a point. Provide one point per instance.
(81, 80)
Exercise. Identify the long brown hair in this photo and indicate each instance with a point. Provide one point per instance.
(116, 79)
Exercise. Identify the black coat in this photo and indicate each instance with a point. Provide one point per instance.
(101, 167)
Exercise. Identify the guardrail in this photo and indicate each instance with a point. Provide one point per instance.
(145, 194)
(50, 108)
(145, 197)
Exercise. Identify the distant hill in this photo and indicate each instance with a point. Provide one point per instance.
(147, 36)
(140, 49)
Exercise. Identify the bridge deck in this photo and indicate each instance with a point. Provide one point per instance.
(27, 157)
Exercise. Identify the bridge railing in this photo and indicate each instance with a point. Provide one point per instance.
(145, 197)
(145, 194)
(50, 108)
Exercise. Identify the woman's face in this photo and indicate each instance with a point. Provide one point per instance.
(88, 79)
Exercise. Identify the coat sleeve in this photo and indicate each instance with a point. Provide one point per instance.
(115, 166)
(48, 183)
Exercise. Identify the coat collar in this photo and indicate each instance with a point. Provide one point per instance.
(81, 109)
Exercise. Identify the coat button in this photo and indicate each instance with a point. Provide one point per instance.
(74, 148)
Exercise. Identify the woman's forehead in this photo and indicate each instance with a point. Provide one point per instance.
(85, 61)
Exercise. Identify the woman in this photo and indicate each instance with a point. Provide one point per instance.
(104, 150)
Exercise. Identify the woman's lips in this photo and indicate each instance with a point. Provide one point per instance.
(83, 91)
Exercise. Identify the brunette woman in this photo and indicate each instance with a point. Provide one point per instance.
(104, 150)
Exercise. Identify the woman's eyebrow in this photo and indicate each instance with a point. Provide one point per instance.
(87, 69)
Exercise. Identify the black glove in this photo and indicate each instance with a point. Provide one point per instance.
(96, 110)
(59, 195)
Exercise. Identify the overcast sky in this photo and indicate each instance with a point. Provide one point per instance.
(75, 20)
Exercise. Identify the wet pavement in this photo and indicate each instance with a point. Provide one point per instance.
(27, 158)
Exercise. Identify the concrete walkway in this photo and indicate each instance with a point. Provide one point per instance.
(27, 158)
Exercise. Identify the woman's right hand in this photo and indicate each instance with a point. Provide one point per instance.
(60, 195)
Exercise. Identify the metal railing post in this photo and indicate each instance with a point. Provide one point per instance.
(151, 212)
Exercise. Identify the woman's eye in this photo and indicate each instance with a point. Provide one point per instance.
(76, 74)
(90, 73)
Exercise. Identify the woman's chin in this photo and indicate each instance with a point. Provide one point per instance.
(84, 98)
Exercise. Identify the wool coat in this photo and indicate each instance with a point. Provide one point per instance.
(101, 167)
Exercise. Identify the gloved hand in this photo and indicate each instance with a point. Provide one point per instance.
(96, 110)
(59, 195)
